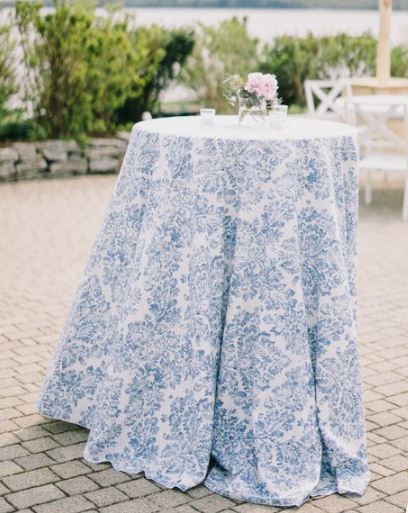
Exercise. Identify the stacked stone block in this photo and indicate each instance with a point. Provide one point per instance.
(57, 158)
(104, 154)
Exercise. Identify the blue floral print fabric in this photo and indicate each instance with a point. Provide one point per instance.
(212, 337)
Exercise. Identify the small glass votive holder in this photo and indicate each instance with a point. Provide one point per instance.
(278, 116)
(207, 117)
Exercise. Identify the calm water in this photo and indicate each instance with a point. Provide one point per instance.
(266, 23)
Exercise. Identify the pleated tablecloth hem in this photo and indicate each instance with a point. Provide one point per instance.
(129, 469)
(70, 419)
(267, 501)
(357, 489)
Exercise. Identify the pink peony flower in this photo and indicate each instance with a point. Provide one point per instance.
(255, 84)
(262, 85)
(269, 86)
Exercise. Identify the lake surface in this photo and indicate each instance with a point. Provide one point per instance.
(267, 23)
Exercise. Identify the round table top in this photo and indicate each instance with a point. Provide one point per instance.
(227, 127)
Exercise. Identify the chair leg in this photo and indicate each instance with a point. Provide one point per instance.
(405, 203)
(367, 195)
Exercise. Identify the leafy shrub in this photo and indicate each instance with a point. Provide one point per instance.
(15, 127)
(219, 51)
(227, 48)
(81, 67)
(294, 59)
(399, 61)
(86, 74)
(167, 53)
(7, 70)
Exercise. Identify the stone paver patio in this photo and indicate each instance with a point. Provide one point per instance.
(46, 230)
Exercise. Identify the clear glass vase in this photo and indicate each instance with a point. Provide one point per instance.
(252, 114)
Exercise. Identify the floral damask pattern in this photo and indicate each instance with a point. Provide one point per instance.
(212, 337)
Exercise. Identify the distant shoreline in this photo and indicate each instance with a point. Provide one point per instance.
(309, 5)
(258, 7)
(266, 24)
(220, 7)
(241, 5)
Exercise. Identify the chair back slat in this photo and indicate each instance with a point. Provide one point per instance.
(373, 121)
(326, 92)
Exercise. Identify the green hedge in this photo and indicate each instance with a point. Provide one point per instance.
(87, 74)
(227, 48)
(168, 51)
(220, 50)
(295, 59)
(8, 83)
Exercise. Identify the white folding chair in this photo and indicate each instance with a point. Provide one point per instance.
(321, 98)
(381, 148)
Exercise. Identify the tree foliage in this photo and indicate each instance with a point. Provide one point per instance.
(220, 50)
(87, 74)
(81, 68)
(294, 59)
(168, 51)
(85, 71)
(7, 68)
(227, 48)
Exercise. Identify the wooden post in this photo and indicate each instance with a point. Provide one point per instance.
(384, 43)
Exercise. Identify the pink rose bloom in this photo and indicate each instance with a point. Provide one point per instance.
(269, 86)
(255, 84)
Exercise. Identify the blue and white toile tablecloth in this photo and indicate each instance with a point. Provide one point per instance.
(212, 338)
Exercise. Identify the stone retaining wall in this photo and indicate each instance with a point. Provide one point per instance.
(56, 158)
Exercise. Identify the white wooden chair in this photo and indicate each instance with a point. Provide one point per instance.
(321, 98)
(381, 148)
